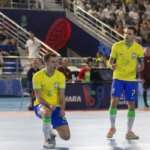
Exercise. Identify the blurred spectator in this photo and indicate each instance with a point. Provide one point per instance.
(3, 37)
(98, 58)
(35, 66)
(134, 14)
(117, 14)
(119, 27)
(13, 47)
(65, 70)
(4, 3)
(145, 75)
(85, 72)
(100, 61)
(145, 31)
(33, 46)
(1, 62)
(1, 58)
(40, 4)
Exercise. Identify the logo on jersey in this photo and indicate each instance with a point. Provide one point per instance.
(56, 85)
(133, 55)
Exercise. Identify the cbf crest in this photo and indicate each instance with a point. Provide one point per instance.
(56, 85)
(133, 55)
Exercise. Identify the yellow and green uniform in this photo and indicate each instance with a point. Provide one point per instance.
(126, 60)
(49, 86)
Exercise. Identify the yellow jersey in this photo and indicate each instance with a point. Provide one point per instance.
(49, 86)
(126, 60)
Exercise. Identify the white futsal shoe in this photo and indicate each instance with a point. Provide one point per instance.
(50, 143)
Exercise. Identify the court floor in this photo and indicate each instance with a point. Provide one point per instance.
(21, 130)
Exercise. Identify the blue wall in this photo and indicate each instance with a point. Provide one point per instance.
(37, 21)
(82, 43)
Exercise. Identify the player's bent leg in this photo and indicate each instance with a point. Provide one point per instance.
(64, 132)
(60, 124)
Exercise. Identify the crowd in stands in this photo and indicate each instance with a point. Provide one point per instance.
(8, 45)
(117, 14)
(37, 4)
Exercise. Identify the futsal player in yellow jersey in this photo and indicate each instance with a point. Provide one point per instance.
(126, 57)
(49, 87)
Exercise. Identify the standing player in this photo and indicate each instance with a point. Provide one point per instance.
(126, 57)
(49, 87)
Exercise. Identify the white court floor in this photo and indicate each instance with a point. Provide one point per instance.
(21, 130)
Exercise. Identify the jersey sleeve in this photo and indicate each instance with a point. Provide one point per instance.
(113, 52)
(62, 81)
(36, 81)
(141, 52)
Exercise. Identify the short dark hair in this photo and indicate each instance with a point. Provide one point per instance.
(131, 28)
(47, 56)
(89, 59)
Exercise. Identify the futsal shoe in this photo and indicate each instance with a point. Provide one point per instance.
(53, 140)
(111, 132)
(131, 136)
(50, 143)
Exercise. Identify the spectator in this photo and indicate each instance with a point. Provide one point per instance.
(145, 75)
(40, 4)
(145, 31)
(84, 74)
(1, 58)
(100, 61)
(65, 70)
(119, 27)
(33, 46)
(13, 47)
(128, 12)
(3, 37)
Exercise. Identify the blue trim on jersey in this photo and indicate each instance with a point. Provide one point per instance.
(56, 119)
(128, 88)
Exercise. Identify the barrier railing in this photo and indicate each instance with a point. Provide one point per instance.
(14, 66)
(21, 35)
(94, 25)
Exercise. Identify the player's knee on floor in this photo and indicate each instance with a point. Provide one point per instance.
(65, 136)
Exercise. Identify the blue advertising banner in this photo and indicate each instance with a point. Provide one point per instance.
(11, 88)
(87, 96)
(79, 96)
(91, 96)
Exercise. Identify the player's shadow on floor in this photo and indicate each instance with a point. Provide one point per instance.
(113, 145)
(132, 145)
(61, 148)
(57, 148)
